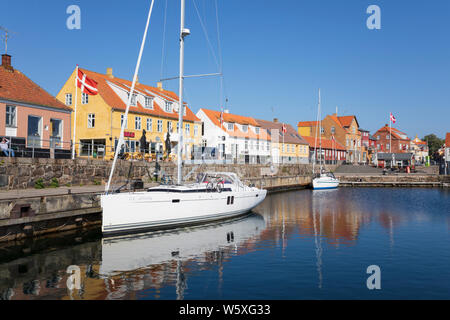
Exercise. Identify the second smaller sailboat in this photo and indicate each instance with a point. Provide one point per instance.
(323, 179)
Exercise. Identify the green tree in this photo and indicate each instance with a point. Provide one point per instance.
(434, 144)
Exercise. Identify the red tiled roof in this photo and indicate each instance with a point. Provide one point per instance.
(395, 132)
(114, 101)
(326, 143)
(214, 116)
(291, 136)
(346, 121)
(447, 140)
(15, 86)
(307, 124)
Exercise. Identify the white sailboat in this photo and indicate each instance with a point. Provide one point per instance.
(322, 180)
(214, 196)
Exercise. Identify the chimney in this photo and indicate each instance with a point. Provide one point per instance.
(6, 62)
(275, 120)
(109, 73)
(226, 111)
(160, 86)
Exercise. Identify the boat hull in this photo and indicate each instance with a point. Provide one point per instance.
(135, 212)
(325, 183)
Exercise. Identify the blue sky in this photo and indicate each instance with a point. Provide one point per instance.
(276, 54)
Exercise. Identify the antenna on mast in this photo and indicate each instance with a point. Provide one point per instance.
(6, 36)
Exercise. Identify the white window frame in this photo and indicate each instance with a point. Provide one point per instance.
(149, 124)
(195, 130)
(148, 103)
(11, 116)
(68, 99)
(187, 129)
(91, 121)
(84, 98)
(133, 102)
(168, 107)
(230, 126)
(137, 123)
(160, 126)
(122, 117)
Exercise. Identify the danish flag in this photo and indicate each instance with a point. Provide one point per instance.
(393, 118)
(86, 84)
(284, 128)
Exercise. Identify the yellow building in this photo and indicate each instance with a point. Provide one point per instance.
(153, 109)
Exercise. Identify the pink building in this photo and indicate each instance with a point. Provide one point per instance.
(31, 118)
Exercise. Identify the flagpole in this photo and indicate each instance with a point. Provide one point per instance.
(75, 118)
(390, 135)
(284, 147)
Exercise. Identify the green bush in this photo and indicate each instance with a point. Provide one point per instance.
(39, 184)
(54, 183)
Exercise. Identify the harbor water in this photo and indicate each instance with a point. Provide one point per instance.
(295, 245)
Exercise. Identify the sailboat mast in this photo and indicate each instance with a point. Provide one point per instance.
(136, 72)
(183, 33)
(320, 134)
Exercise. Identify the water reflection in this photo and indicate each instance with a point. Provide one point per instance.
(307, 241)
(169, 256)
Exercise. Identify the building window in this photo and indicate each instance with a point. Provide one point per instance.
(149, 125)
(257, 130)
(245, 128)
(178, 127)
(10, 116)
(168, 107)
(246, 143)
(333, 130)
(388, 146)
(122, 117)
(353, 130)
(388, 136)
(257, 145)
(268, 146)
(148, 102)
(68, 99)
(195, 130)
(91, 120)
(160, 125)
(322, 130)
(231, 126)
(169, 126)
(188, 129)
(133, 99)
(84, 98)
(137, 123)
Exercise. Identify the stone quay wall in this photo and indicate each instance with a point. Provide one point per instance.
(23, 173)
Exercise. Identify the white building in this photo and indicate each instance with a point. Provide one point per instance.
(235, 138)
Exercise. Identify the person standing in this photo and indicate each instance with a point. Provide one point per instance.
(4, 146)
